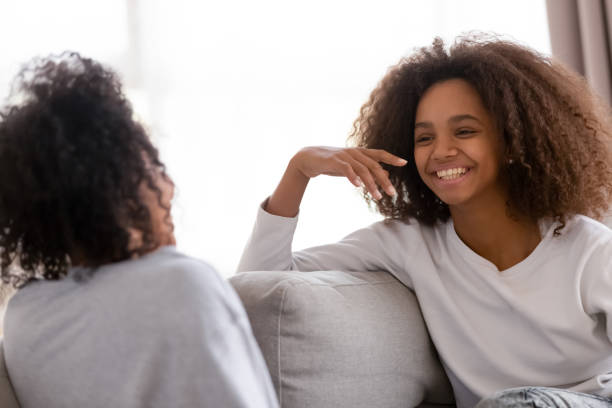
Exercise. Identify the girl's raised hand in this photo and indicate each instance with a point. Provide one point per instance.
(360, 165)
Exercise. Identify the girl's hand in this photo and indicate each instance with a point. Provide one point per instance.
(360, 165)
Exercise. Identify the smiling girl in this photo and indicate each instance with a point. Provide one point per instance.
(491, 164)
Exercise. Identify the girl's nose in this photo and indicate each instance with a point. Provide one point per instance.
(443, 148)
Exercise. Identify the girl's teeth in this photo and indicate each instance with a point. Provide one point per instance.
(450, 174)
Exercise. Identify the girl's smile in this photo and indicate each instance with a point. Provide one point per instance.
(452, 175)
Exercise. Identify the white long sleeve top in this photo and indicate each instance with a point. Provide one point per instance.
(545, 321)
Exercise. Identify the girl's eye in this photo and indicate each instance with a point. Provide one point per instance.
(423, 139)
(464, 132)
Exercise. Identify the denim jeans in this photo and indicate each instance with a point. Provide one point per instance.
(543, 397)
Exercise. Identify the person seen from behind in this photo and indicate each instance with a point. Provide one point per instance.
(108, 313)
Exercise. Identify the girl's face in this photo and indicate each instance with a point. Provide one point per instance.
(457, 148)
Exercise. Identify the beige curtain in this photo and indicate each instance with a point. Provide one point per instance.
(581, 37)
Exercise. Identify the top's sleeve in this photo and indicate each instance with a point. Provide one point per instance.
(597, 282)
(209, 357)
(374, 248)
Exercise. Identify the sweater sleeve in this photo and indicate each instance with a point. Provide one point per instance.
(210, 357)
(374, 248)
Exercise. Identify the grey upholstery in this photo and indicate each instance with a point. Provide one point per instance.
(7, 395)
(342, 339)
(334, 339)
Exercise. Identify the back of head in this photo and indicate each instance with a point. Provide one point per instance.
(72, 160)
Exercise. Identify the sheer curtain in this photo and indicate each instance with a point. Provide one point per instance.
(231, 90)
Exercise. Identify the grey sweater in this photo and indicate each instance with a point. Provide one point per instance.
(164, 330)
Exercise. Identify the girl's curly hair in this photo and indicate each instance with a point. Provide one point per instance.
(556, 131)
(72, 165)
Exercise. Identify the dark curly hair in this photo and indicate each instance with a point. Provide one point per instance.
(73, 161)
(556, 131)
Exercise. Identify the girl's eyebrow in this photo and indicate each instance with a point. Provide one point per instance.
(459, 118)
(452, 119)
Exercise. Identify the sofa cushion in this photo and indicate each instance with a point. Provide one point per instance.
(335, 339)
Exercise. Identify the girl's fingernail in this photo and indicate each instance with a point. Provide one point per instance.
(402, 161)
(391, 191)
(377, 195)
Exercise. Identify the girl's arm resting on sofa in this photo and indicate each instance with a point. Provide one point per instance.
(375, 248)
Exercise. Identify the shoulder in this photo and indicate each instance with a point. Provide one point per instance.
(183, 278)
(582, 240)
(587, 244)
(591, 225)
(585, 232)
(174, 290)
(185, 273)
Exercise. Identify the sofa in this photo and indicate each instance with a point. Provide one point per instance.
(343, 339)
(335, 339)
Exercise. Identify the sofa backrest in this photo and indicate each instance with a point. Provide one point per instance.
(8, 399)
(342, 339)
